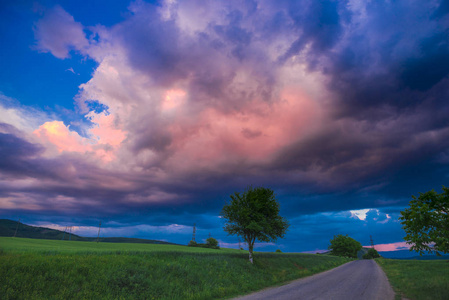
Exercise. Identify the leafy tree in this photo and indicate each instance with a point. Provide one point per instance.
(372, 253)
(426, 222)
(192, 243)
(254, 215)
(212, 243)
(343, 245)
(278, 251)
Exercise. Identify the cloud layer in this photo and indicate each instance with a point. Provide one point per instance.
(336, 106)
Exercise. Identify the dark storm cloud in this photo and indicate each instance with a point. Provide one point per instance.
(154, 46)
(389, 70)
(317, 23)
(392, 57)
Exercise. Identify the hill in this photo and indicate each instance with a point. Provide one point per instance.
(407, 254)
(8, 229)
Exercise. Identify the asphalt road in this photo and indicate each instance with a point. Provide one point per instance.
(360, 279)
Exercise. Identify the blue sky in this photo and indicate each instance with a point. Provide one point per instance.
(148, 115)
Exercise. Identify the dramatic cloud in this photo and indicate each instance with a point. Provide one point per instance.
(339, 106)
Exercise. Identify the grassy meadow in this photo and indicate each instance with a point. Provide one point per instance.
(43, 269)
(418, 279)
(24, 245)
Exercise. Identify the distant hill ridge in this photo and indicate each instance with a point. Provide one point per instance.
(8, 228)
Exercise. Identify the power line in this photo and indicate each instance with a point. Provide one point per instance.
(372, 242)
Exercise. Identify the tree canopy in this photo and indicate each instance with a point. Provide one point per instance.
(372, 253)
(426, 222)
(343, 245)
(254, 215)
(212, 243)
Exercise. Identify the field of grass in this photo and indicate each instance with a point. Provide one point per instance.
(23, 245)
(418, 279)
(43, 269)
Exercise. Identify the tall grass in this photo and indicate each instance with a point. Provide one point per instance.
(418, 279)
(148, 274)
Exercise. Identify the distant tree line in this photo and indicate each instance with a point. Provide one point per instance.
(210, 243)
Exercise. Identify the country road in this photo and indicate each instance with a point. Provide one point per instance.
(360, 279)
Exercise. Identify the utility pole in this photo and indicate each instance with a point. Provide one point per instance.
(18, 222)
(98, 237)
(372, 242)
(70, 233)
(194, 231)
(209, 235)
(63, 235)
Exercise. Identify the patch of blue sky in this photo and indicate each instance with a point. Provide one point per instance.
(97, 107)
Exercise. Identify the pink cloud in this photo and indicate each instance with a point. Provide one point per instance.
(253, 134)
(58, 138)
(56, 135)
(57, 32)
(392, 246)
(106, 130)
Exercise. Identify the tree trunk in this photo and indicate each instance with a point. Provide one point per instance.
(250, 248)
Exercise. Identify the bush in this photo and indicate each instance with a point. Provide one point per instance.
(343, 245)
(212, 243)
(278, 251)
(372, 253)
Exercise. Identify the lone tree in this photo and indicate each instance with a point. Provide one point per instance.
(426, 222)
(254, 215)
(343, 245)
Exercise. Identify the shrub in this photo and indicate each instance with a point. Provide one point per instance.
(372, 253)
(212, 243)
(344, 246)
(278, 251)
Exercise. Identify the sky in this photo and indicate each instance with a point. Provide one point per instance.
(147, 116)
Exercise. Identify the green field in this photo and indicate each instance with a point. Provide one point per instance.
(418, 279)
(50, 269)
(23, 245)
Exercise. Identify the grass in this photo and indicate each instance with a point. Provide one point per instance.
(24, 245)
(418, 279)
(46, 269)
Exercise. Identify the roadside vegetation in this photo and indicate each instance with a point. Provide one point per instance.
(418, 279)
(426, 222)
(343, 245)
(371, 253)
(30, 269)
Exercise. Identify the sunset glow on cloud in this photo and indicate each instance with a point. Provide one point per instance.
(150, 114)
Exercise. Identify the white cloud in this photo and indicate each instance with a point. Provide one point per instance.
(361, 213)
